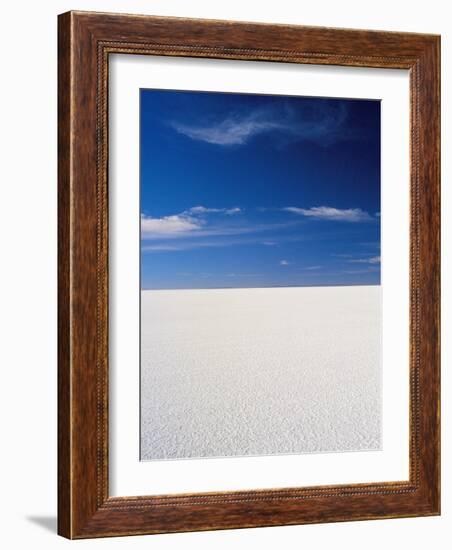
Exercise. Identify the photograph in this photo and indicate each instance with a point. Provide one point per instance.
(260, 275)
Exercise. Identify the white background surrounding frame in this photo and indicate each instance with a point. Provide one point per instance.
(129, 476)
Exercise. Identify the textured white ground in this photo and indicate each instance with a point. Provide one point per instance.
(260, 371)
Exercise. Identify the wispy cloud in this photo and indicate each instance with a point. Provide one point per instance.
(320, 124)
(371, 260)
(203, 227)
(360, 271)
(311, 268)
(331, 214)
(227, 132)
(205, 210)
(191, 244)
(231, 211)
(244, 275)
(284, 262)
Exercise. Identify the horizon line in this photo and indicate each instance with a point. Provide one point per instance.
(259, 287)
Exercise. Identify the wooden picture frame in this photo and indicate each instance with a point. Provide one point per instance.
(85, 508)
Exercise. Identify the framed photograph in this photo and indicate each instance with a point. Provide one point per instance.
(248, 275)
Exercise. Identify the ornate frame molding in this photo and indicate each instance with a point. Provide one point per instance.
(85, 42)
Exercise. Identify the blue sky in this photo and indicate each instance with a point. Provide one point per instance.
(242, 190)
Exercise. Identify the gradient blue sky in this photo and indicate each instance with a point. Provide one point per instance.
(241, 190)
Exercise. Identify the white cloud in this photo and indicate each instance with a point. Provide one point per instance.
(188, 223)
(168, 226)
(372, 260)
(228, 132)
(284, 262)
(331, 214)
(322, 124)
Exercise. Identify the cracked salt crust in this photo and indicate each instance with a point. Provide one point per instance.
(242, 372)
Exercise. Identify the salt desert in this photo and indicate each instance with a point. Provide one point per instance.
(234, 372)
